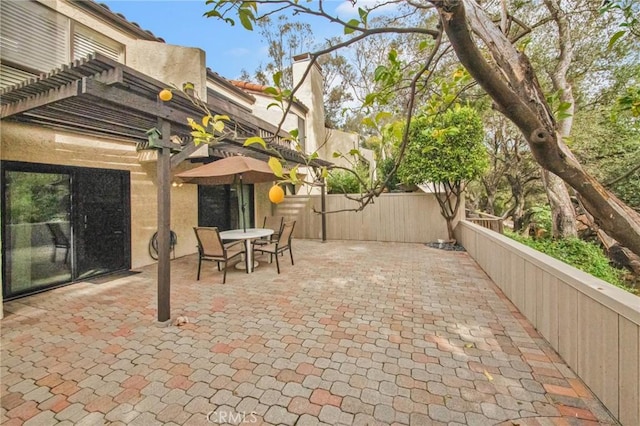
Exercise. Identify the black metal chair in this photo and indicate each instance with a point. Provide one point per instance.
(280, 246)
(59, 240)
(211, 248)
(271, 222)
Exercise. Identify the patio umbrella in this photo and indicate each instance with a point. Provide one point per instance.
(231, 170)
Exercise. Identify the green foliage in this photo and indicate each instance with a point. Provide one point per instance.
(337, 72)
(37, 197)
(629, 25)
(353, 24)
(630, 101)
(384, 169)
(388, 76)
(558, 107)
(342, 182)
(445, 147)
(583, 255)
(610, 150)
(284, 39)
(386, 135)
(245, 10)
(541, 218)
(448, 92)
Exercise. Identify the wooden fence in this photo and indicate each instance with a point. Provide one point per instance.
(486, 220)
(398, 217)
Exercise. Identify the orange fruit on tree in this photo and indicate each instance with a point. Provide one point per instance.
(276, 194)
(165, 95)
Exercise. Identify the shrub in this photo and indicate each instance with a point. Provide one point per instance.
(586, 256)
(384, 169)
(342, 182)
(540, 217)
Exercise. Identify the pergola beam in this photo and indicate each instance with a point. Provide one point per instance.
(187, 150)
(133, 101)
(41, 99)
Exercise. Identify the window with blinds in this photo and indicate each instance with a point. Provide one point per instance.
(33, 37)
(87, 41)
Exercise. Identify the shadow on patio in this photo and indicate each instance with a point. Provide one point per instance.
(354, 333)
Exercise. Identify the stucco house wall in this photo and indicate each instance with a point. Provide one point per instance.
(33, 144)
(172, 64)
(274, 114)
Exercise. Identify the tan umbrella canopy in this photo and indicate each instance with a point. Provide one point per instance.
(228, 171)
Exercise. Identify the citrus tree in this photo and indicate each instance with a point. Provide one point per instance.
(446, 150)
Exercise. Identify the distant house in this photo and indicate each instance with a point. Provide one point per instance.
(307, 114)
(79, 90)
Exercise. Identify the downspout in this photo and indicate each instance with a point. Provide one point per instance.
(323, 206)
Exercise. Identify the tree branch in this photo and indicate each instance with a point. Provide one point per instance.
(509, 101)
(623, 177)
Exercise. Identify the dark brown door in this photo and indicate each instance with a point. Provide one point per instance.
(101, 222)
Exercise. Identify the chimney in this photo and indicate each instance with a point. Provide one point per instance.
(310, 94)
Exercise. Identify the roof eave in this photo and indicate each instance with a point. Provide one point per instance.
(229, 86)
(105, 13)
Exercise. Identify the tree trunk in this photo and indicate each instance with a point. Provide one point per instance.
(620, 256)
(517, 211)
(562, 211)
(452, 236)
(449, 201)
(491, 197)
(515, 90)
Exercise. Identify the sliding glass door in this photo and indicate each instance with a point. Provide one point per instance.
(219, 206)
(62, 224)
(37, 229)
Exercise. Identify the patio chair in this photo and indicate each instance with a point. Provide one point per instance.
(59, 240)
(280, 246)
(211, 248)
(271, 222)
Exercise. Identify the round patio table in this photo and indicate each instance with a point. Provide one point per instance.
(247, 235)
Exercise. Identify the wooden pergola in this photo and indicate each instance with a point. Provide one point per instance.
(102, 97)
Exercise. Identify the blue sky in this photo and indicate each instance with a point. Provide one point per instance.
(229, 49)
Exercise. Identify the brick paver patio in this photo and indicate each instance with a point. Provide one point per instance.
(355, 333)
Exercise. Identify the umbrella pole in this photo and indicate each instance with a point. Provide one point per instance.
(244, 224)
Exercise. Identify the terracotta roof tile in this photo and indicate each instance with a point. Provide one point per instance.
(249, 86)
(260, 88)
(116, 17)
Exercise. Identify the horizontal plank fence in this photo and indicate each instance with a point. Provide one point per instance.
(486, 220)
(397, 217)
(593, 325)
